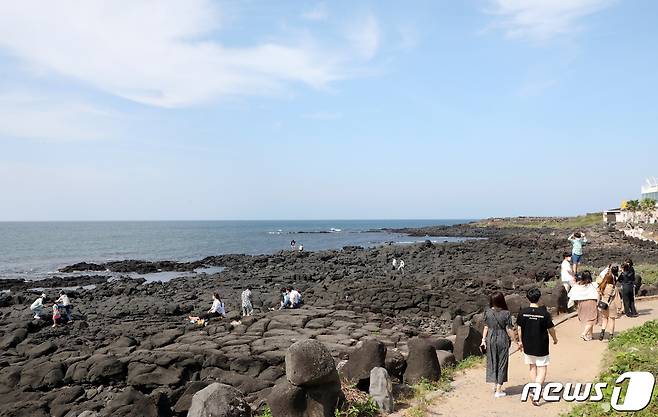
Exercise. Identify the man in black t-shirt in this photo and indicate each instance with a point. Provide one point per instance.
(534, 325)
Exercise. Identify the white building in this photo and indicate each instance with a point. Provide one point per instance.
(651, 189)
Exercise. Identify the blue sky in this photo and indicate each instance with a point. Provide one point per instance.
(205, 109)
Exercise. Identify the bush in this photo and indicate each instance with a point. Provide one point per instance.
(265, 413)
(366, 408)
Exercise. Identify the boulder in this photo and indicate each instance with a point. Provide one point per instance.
(439, 343)
(446, 358)
(13, 338)
(309, 363)
(185, 400)
(219, 400)
(150, 375)
(457, 322)
(422, 362)
(44, 375)
(381, 389)
(516, 302)
(288, 400)
(395, 363)
(467, 342)
(131, 403)
(368, 354)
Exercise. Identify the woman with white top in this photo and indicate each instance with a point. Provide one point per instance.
(216, 310)
(587, 297)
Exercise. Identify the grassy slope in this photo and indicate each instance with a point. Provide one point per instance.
(579, 222)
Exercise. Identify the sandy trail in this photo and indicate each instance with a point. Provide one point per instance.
(572, 360)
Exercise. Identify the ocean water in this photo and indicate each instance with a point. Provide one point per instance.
(33, 250)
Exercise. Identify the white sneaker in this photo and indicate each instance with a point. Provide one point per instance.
(500, 394)
(36, 316)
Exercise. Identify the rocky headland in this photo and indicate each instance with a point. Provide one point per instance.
(132, 352)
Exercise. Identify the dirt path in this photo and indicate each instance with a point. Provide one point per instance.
(572, 360)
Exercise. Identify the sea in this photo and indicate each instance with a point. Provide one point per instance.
(35, 250)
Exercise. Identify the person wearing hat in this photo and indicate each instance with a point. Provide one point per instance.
(64, 303)
(37, 306)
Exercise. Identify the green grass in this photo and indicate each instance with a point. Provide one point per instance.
(633, 350)
(648, 272)
(366, 408)
(266, 412)
(571, 223)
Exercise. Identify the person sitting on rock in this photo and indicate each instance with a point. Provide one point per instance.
(285, 299)
(401, 266)
(295, 298)
(301, 248)
(57, 317)
(395, 264)
(247, 304)
(65, 304)
(216, 310)
(37, 306)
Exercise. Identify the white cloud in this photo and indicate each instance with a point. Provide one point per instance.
(159, 52)
(36, 116)
(365, 36)
(542, 19)
(317, 13)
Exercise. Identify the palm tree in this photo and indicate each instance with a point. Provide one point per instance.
(633, 206)
(648, 206)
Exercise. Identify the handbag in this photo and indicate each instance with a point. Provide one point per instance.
(602, 305)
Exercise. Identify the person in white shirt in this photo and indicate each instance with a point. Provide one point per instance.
(401, 266)
(247, 305)
(216, 310)
(64, 303)
(567, 276)
(295, 298)
(587, 295)
(395, 264)
(37, 306)
(301, 248)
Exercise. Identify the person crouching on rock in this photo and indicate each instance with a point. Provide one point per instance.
(37, 306)
(57, 317)
(216, 310)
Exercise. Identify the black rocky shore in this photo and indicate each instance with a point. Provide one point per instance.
(132, 352)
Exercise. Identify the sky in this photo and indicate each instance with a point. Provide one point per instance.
(254, 109)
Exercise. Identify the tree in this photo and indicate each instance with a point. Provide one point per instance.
(648, 207)
(633, 206)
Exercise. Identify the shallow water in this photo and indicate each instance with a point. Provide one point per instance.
(34, 250)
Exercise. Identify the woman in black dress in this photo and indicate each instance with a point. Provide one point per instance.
(496, 339)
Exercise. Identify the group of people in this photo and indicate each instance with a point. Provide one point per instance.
(398, 266)
(531, 334)
(290, 298)
(293, 246)
(601, 300)
(604, 299)
(61, 309)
